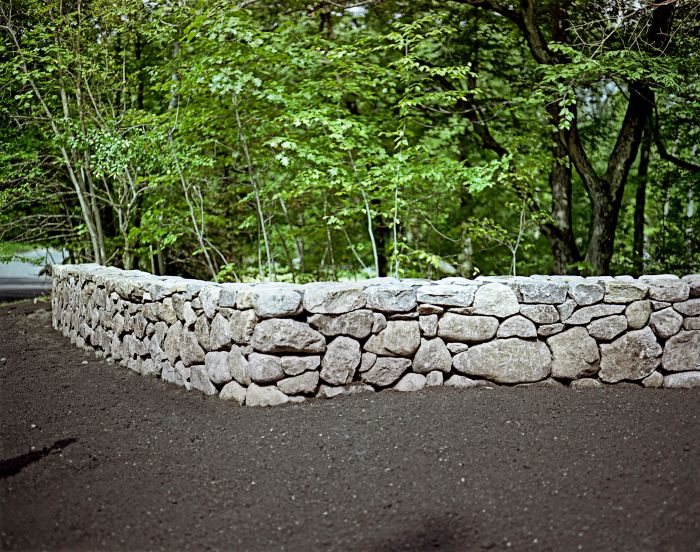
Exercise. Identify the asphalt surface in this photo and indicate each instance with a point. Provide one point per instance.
(94, 457)
(23, 288)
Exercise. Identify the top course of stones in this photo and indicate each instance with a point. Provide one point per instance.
(271, 343)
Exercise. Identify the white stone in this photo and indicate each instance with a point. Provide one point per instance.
(264, 368)
(566, 309)
(637, 314)
(242, 324)
(462, 382)
(333, 298)
(341, 360)
(391, 297)
(586, 293)
(303, 383)
(540, 314)
(209, 296)
(283, 335)
(238, 365)
(411, 382)
(190, 351)
(495, 299)
(219, 333)
(446, 295)
(357, 324)
(574, 354)
(587, 383)
(264, 396)
(653, 380)
(682, 352)
(683, 380)
(276, 300)
(671, 290)
(665, 323)
(368, 360)
(201, 330)
(432, 355)
(516, 326)
(548, 330)
(399, 338)
(633, 356)
(386, 371)
(543, 291)
(688, 324)
(617, 291)
(216, 364)
(379, 322)
(688, 308)
(428, 325)
(506, 361)
(200, 381)
(607, 328)
(434, 379)
(233, 391)
(295, 365)
(467, 329)
(456, 348)
(585, 314)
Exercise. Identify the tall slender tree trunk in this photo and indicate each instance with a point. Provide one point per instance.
(640, 204)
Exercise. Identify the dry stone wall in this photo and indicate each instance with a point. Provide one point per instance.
(271, 343)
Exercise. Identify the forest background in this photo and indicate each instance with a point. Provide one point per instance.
(318, 140)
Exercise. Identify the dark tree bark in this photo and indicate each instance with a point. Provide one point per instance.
(640, 203)
(604, 191)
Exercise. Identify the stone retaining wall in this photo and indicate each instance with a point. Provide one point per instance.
(270, 343)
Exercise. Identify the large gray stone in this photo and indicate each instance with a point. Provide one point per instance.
(617, 291)
(209, 296)
(633, 356)
(368, 360)
(586, 293)
(399, 338)
(574, 354)
(264, 368)
(566, 309)
(201, 330)
(238, 365)
(692, 323)
(637, 314)
(234, 392)
(171, 344)
(462, 382)
(411, 382)
(690, 307)
(432, 355)
(190, 351)
(264, 396)
(428, 325)
(665, 323)
(434, 379)
(199, 380)
(447, 295)
(357, 324)
(341, 360)
(188, 314)
(391, 297)
(682, 352)
(653, 380)
(540, 314)
(517, 326)
(242, 325)
(671, 290)
(282, 335)
(333, 298)
(585, 314)
(467, 329)
(276, 300)
(495, 299)
(548, 330)
(543, 291)
(607, 328)
(295, 365)
(386, 371)
(304, 383)
(219, 333)
(693, 281)
(216, 364)
(683, 380)
(506, 361)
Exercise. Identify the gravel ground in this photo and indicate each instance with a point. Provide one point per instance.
(94, 457)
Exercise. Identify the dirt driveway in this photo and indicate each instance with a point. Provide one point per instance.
(95, 457)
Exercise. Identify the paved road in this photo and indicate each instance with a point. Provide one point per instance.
(23, 288)
(97, 458)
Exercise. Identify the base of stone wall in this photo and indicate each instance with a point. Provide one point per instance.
(271, 343)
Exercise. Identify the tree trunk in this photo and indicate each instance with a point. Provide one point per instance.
(640, 203)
